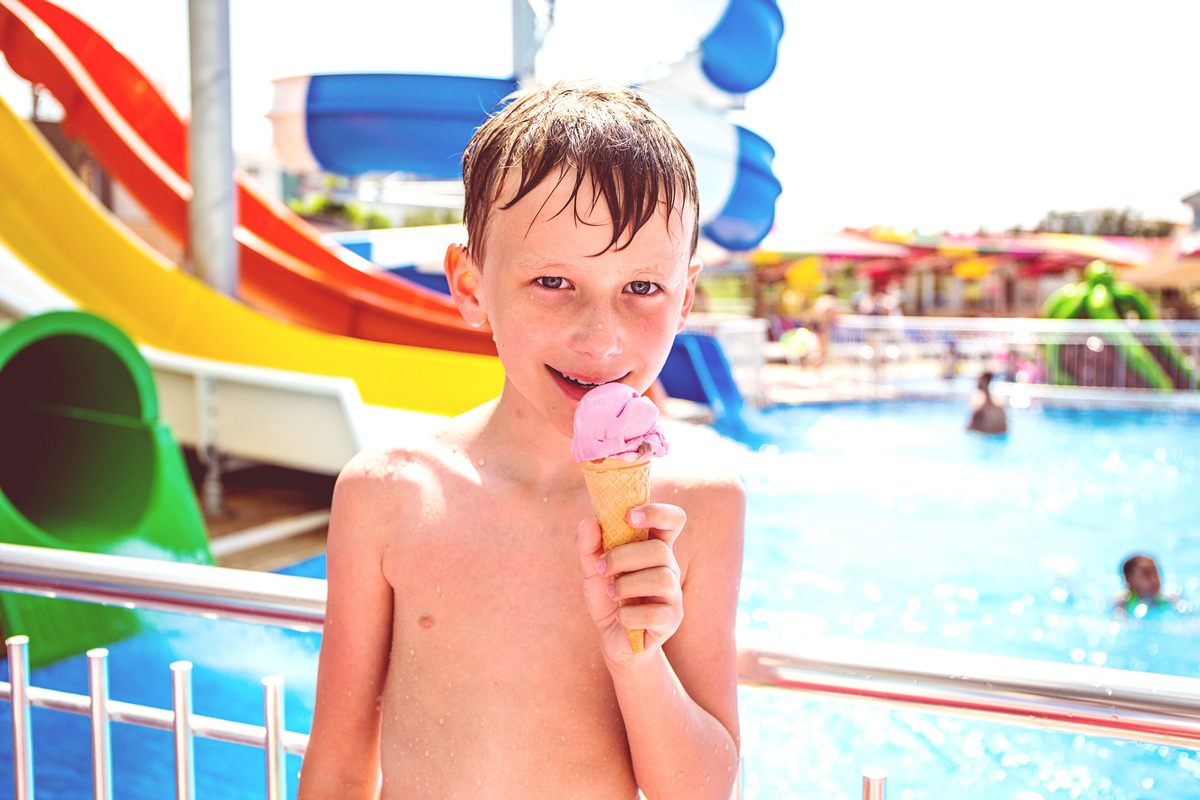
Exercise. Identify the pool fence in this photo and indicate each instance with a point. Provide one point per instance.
(1135, 363)
(1084, 699)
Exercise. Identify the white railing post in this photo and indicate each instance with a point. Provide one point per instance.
(98, 712)
(181, 702)
(22, 726)
(874, 783)
(273, 721)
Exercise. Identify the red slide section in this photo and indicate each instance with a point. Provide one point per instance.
(284, 269)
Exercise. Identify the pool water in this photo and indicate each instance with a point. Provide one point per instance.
(884, 522)
(890, 522)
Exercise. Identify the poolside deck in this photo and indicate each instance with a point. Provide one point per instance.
(271, 515)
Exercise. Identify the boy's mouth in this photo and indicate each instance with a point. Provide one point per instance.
(577, 382)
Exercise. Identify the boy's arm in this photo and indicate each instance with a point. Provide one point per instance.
(342, 758)
(679, 700)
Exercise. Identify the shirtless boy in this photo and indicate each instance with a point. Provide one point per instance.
(473, 646)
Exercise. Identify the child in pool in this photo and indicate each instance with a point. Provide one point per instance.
(1143, 587)
(473, 644)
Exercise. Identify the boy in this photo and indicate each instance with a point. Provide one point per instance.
(473, 643)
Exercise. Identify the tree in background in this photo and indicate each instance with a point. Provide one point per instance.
(1103, 222)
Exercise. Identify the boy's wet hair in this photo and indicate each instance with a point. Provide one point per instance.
(575, 130)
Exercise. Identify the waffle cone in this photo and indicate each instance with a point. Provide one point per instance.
(615, 486)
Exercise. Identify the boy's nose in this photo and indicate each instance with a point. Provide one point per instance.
(598, 334)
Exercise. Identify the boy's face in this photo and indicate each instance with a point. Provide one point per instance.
(564, 318)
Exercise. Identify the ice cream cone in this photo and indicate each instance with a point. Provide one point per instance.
(615, 486)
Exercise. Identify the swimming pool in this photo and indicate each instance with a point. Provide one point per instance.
(889, 522)
(885, 522)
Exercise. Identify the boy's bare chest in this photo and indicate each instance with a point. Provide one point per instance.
(492, 572)
(491, 638)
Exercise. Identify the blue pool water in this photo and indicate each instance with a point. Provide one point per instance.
(885, 522)
(889, 522)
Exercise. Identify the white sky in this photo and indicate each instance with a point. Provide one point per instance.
(918, 114)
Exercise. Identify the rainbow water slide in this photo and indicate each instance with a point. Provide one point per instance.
(285, 269)
(76, 398)
(51, 222)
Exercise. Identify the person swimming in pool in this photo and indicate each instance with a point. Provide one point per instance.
(987, 416)
(1143, 587)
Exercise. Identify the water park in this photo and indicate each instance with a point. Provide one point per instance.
(187, 362)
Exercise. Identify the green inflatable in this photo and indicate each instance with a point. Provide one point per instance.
(1151, 358)
(86, 465)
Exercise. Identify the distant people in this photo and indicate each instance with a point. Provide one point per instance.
(1143, 587)
(890, 304)
(869, 305)
(950, 363)
(824, 317)
(987, 416)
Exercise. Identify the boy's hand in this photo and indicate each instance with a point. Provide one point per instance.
(645, 575)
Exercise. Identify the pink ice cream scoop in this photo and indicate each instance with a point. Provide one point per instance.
(614, 421)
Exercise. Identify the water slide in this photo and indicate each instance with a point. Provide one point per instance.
(698, 370)
(285, 268)
(77, 399)
(693, 60)
(1143, 355)
(51, 222)
(349, 124)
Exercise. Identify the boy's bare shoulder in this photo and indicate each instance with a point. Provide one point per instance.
(699, 454)
(701, 468)
(425, 457)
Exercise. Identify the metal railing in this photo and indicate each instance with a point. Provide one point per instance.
(1114, 703)
(1148, 361)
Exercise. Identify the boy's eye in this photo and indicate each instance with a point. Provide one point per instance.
(643, 287)
(552, 282)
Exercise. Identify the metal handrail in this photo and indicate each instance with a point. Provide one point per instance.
(264, 597)
(1122, 704)
(1078, 698)
(1140, 706)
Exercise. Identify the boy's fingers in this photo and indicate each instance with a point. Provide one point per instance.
(647, 584)
(636, 556)
(589, 545)
(664, 521)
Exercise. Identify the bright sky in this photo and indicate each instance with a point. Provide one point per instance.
(917, 114)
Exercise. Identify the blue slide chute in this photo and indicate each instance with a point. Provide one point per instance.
(739, 54)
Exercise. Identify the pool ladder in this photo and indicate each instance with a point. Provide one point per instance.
(1122, 704)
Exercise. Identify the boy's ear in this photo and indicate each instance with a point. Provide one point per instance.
(689, 296)
(464, 284)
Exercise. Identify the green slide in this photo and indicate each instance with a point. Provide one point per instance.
(86, 465)
(1152, 360)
